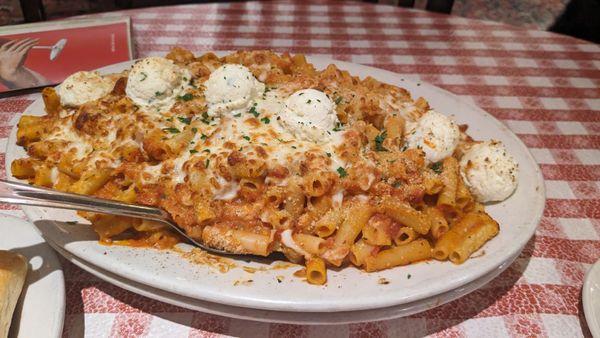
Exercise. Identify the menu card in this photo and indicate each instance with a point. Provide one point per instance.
(41, 54)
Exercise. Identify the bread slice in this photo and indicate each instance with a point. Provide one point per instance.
(13, 270)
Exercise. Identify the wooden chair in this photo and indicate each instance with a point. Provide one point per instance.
(440, 6)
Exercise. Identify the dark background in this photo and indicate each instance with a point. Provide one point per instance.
(579, 18)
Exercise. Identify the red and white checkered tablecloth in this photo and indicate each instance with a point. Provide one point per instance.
(545, 87)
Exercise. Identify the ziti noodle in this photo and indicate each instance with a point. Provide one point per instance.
(257, 152)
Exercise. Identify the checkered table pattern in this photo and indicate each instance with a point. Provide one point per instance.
(543, 86)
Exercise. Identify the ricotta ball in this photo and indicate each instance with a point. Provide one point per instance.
(155, 82)
(82, 87)
(489, 171)
(309, 115)
(436, 134)
(231, 88)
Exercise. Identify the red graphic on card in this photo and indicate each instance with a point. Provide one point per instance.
(41, 58)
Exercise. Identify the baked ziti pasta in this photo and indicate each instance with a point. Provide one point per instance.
(257, 152)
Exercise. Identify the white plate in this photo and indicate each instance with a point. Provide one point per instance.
(304, 318)
(41, 308)
(591, 298)
(518, 217)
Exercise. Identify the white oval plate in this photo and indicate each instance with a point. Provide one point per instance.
(287, 317)
(41, 308)
(591, 298)
(518, 217)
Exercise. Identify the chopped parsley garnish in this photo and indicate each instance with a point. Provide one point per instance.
(294, 147)
(144, 76)
(408, 276)
(170, 119)
(397, 184)
(265, 120)
(338, 126)
(245, 137)
(186, 97)
(379, 141)
(253, 111)
(203, 137)
(342, 172)
(237, 115)
(185, 120)
(437, 167)
(194, 130)
(205, 118)
(309, 101)
(338, 100)
(404, 147)
(71, 222)
(206, 150)
(328, 154)
(171, 130)
(158, 94)
(280, 140)
(206, 163)
(193, 151)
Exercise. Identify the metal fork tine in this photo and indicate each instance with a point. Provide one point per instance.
(24, 194)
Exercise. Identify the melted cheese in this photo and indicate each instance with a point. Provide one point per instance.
(66, 132)
(54, 175)
(227, 191)
(247, 132)
(151, 173)
(337, 198)
(288, 240)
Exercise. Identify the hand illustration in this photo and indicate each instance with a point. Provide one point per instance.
(13, 55)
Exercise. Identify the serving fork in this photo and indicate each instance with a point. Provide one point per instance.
(25, 194)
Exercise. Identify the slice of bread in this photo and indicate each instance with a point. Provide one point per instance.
(13, 270)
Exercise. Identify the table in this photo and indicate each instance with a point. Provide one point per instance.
(545, 87)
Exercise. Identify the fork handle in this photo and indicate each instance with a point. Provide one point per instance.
(25, 194)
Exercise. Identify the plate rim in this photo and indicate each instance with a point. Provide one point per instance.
(60, 312)
(150, 292)
(592, 315)
(250, 302)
